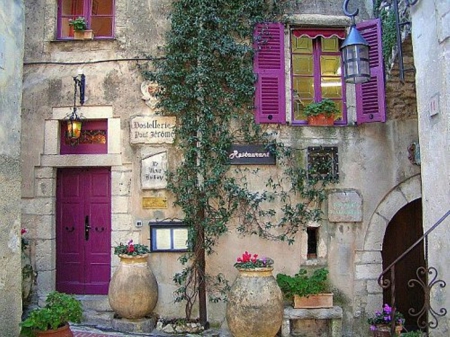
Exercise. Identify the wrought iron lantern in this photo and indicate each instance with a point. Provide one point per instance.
(355, 52)
(74, 122)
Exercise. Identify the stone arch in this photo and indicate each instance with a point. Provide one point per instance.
(368, 296)
(400, 196)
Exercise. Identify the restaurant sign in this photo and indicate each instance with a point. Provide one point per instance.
(251, 155)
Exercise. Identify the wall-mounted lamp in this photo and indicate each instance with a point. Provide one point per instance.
(355, 52)
(74, 121)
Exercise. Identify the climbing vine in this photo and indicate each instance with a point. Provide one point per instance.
(389, 35)
(206, 80)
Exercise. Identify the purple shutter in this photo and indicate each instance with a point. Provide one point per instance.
(370, 96)
(270, 95)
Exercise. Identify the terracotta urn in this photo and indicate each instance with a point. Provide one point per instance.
(255, 304)
(133, 291)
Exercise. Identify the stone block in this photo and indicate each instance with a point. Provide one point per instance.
(121, 182)
(122, 222)
(45, 260)
(41, 206)
(45, 187)
(46, 281)
(367, 271)
(120, 204)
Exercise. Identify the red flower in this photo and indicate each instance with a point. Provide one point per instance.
(130, 247)
(23, 231)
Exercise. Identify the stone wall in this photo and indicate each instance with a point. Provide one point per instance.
(431, 44)
(11, 55)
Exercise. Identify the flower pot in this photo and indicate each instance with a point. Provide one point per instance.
(63, 331)
(255, 304)
(133, 291)
(320, 120)
(78, 34)
(324, 300)
(88, 34)
(384, 330)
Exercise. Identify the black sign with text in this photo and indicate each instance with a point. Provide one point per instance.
(251, 155)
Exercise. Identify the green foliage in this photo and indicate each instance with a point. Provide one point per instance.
(78, 23)
(206, 80)
(326, 106)
(389, 34)
(59, 309)
(303, 285)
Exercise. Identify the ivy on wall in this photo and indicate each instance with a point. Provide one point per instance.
(206, 80)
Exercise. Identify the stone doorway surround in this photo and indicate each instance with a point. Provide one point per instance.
(368, 296)
(38, 209)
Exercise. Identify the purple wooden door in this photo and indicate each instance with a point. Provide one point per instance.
(83, 230)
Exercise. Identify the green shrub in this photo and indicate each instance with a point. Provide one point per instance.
(59, 309)
(303, 285)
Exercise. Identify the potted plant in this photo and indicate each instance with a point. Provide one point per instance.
(306, 291)
(321, 113)
(380, 323)
(133, 291)
(59, 310)
(255, 302)
(80, 31)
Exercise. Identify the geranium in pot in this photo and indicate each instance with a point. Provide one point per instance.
(255, 302)
(321, 113)
(133, 291)
(59, 310)
(80, 29)
(306, 291)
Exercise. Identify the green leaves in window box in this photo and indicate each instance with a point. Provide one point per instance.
(78, 23)
(303, 285)
(326, 107)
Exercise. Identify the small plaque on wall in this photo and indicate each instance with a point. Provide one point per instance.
(154, 202)
(344, 206)
(169, 236)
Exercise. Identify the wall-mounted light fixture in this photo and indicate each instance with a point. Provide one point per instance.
(355, 52)
(74, 121)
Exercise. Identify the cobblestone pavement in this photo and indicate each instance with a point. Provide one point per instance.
(86, 331)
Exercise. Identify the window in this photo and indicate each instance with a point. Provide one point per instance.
(316, 70)
(314, 74)
(93, 139)
(99, 15)
(323, 162)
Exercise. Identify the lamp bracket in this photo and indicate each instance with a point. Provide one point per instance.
(349, 14)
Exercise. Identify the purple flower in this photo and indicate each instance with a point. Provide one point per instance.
(373, 328)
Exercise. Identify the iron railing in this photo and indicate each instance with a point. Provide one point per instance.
(430, 274)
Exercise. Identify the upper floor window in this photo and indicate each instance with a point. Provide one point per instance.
(99, 15)
(316, 71)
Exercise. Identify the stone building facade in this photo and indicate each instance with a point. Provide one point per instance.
(376, 178)
(11, 55)
(431, 44)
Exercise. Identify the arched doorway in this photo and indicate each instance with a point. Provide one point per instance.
(404, 229)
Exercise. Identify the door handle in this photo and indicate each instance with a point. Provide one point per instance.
(87, 227)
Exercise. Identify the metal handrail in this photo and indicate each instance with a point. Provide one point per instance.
(421, 271)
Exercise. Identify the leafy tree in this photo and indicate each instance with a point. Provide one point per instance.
(206, 80)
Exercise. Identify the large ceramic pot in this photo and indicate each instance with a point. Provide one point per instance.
(133, 291)
(64, 331)
(255, 304)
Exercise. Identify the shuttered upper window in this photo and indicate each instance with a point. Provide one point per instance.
(316, 73)
(99, 15)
